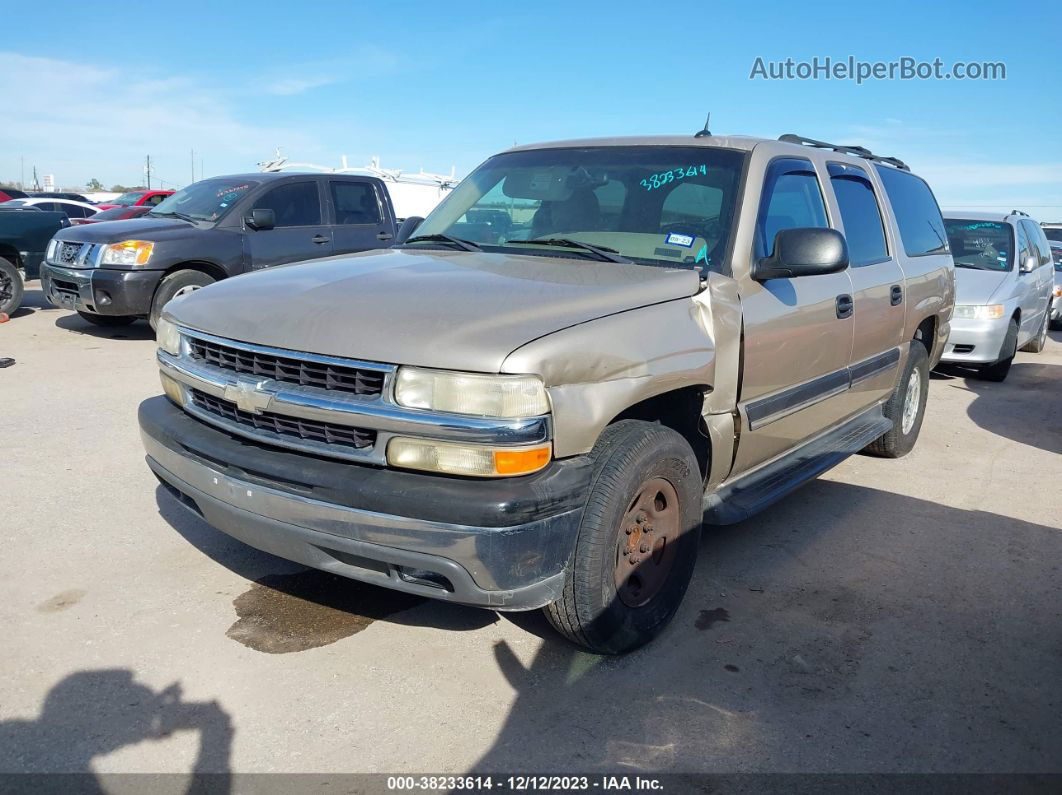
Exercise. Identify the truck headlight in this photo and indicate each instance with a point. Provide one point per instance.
(471, 393)
(128, 252)
(467, 459)
(168, 336)
(979, 311)
(49, 254)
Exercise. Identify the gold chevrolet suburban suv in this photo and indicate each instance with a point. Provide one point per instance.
(589, 349)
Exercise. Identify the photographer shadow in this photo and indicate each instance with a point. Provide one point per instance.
(90, 714)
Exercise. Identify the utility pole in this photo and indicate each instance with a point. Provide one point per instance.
(193, 164)
(22, 171)
(147, 171)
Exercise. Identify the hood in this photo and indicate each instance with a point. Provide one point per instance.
(450, 310)
(977, 287)
(153, 229)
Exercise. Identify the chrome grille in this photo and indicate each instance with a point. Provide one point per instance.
(67, 253)
(325, 432)
(292, 370)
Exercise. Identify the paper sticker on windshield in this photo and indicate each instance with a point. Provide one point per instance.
(675, 239)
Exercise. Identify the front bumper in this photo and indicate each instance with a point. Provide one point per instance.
(975, 341)
(502, 544)
(99, 290)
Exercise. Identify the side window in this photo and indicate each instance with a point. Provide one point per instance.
(156, 199)
(1042, 251)
(860, 214)
(295, 204)
(49, 207)
(792, 199)
(1024, 247)
(355, 203)
(73, 210)
(916, 211)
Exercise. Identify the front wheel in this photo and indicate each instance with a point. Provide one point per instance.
(637, 541)
(173, 285)
(11, 287)
(906, 407)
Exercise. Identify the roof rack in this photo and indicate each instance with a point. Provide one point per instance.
(1019, 212)
(858, 151)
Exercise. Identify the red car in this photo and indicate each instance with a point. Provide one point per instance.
(6, 194)
(113, 214)
(137, 198)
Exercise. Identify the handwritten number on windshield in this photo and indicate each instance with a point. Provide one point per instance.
(658, 180)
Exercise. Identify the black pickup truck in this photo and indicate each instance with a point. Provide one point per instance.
(24, 235)
(113, 273)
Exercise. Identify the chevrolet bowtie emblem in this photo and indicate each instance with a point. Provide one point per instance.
(249, 396)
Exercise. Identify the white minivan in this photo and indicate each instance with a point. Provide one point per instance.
(1004, 282)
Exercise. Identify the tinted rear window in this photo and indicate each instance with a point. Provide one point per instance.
(916, 211)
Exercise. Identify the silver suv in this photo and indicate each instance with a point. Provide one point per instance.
(1004, 285)
(587, 349)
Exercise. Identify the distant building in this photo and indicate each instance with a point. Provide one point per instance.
(49, 183)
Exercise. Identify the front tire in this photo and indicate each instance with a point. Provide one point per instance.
(11, 287)
(172, 285)
(637, 541)
(906, 408)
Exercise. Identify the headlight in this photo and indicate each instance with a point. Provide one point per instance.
(168, 336)
(471, 393)
(979, 311)
(464, 459)
(49, 255)
(128, 252)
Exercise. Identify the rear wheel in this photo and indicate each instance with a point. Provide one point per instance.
(107, 320)
(906, 408)
(637, 541)
(998, 371)
(11, 287)
(176, 284)
(1039, 342)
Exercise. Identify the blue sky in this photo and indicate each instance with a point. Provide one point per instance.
(90, 89)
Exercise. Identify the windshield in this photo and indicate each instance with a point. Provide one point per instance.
(981, 245)
(205, 201)
(127, 199)
(1053, 233)
(653, 205)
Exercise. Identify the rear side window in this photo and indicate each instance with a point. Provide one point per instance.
(792, 199)
(860, 214)
(295, 204)
(916, 211)
(355, 203)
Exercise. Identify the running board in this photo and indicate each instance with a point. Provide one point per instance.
(750, 494)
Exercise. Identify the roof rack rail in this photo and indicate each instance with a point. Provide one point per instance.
(1019, 212)
(858, 151)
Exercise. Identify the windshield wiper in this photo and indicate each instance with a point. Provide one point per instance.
(602, 253)
(173, 214)
(464, 245)
(979, 267)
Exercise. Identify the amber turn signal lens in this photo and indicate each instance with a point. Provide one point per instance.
(520, 462)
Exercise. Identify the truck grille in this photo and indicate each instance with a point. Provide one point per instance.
(67, 253)
(293, 370)
(326, 432)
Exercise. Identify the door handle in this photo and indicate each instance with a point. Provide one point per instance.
(319, 239)
(845, 305)
(896, 295)
(384, 236)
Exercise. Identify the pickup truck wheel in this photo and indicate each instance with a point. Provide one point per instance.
(1039, 342)
(998, 371)
(107, 320)
(637, 541)
(906, 408)
(11, 287)
(176, 283)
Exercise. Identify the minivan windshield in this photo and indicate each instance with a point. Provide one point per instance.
(652, 205)
(207, 200)
(981, 245)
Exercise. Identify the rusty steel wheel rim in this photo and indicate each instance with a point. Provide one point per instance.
(647, 542)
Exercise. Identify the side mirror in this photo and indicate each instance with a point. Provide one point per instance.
(408, 227)
(1029, 263)
(803, 252)
(261, 220)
